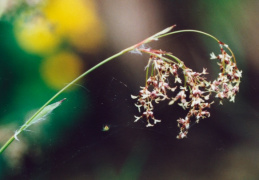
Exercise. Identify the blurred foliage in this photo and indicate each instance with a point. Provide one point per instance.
(40, 45)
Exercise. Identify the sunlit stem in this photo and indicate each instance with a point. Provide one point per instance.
(147, 74)
(176, 59)
(152, 70)
(204, 33)
(232, 54)
(161, 57)
(200, 32)
(189, 30)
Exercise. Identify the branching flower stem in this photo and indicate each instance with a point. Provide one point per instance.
(188, 30)
(163, 33)
(200, 32)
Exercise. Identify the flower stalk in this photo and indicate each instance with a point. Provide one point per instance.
(195, 93)
(162, 65)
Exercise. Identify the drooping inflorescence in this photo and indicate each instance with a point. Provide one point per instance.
(192, 91)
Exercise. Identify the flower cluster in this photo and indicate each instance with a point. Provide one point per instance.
(194, 91)
(227, 83)
(197, 101)
(156, 86)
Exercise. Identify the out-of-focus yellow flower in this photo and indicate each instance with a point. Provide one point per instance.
(60, 69)
(73, 21)
(35, 34)
(77, 21)
(71, 16)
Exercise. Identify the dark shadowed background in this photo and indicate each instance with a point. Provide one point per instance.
(46, 44)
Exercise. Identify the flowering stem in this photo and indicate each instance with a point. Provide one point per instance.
(156, 36)
(226, 85)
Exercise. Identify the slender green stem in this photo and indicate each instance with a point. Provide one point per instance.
(200, 32)
(62, 90)
(152, 70)
(6, 144)
(188, 30)
(147, 74)
(232, 55)
(161, 57)
(176, 59)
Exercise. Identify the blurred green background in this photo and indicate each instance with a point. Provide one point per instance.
(46, 44)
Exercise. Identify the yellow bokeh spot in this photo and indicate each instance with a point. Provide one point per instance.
(71, 16)
(60, 69)
(77, 20)
(35, 35)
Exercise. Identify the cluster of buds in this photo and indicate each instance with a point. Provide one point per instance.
(193, 91)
